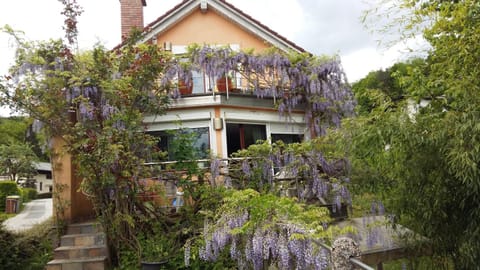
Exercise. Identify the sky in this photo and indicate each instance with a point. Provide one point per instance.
(322, 27)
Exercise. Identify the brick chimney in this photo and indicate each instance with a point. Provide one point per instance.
(131, 12)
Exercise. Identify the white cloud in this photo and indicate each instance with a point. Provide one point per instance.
(359, 63)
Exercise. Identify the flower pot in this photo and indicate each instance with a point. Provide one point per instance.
(185, 89)
(222, 84)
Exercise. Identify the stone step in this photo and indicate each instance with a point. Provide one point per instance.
(85, 239)
(85, 227)
(75, 252)
(94, 263)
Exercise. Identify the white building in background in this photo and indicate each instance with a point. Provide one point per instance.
(43, 178)
(44, 181)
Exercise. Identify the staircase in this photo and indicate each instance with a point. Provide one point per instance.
(82, 248)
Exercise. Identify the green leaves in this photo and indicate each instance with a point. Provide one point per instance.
(17, 160)
(267, 211)
(430, 170)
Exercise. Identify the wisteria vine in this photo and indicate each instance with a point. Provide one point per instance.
(243, 227)
(273, 167)
(299, 81)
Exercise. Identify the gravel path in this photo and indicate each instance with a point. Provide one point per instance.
(34, 212)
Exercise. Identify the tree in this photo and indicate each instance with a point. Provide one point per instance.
(19, 130)
(13, 130)
(17, 160)
(430, 156)
(388, 83)
(96, 102)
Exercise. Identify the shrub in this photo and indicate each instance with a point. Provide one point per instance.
(29, 194)
(10, 251)
(44, 195)
(7, 188)
(29, 251)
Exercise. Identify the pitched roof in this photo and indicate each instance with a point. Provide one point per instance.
(43, 166)
(227, 10)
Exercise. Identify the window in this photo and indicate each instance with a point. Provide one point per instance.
(287, 138)
(201, 141)
(198, 80)
(41, 186)
(240, 136)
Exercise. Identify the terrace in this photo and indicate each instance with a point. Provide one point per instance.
(377, 242)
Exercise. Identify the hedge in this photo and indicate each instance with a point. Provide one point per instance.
(44, 195)
(29, 194)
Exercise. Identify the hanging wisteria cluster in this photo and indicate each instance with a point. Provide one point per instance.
(94, 104)
(313, 177)
(378, 232)
(299, 81)
(245, 230)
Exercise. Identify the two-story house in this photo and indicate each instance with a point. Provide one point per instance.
(228, 120)
(225, 120)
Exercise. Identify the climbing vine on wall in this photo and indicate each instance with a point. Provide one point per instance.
(96, 102)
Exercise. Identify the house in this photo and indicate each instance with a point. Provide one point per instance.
(224, 121)
(44, 181)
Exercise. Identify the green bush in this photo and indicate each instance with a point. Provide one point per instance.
(7, 188)
(30, 250)
(47, 195)
(29, 194)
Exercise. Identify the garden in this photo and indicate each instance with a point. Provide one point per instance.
(402, 143)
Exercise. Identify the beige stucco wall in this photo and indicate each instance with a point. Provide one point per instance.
(210, 28)
(74, 205)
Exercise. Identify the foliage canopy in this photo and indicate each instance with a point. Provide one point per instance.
(94, 103)
(422, 152)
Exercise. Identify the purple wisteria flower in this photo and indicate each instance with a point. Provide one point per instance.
(107, 111)
(86, 110)
(283, 252)
(257, 249)
(214, 170)
(246, 168)
(119, 125)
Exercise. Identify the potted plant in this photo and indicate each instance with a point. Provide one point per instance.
(156, 248)
(224, 81)
(185, 88)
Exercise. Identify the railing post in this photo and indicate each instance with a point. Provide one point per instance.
(343, 249)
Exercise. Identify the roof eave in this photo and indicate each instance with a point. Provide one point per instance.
(186, 7)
